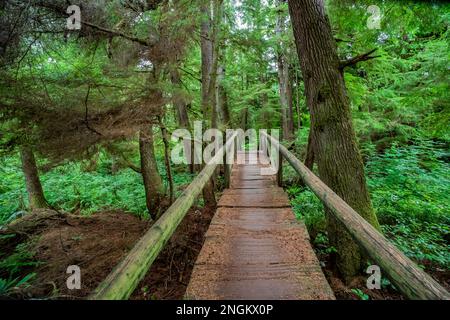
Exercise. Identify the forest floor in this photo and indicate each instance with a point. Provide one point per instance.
(49, 242)
(46, 243)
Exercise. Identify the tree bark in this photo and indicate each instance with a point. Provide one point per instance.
(290, 109)
(211, 11)
(165, 137)
(222, 98)
(154, 189)
(309, 159)
(244, 119)
(179, 103)
(284, 81)
(181, 111)
(36, 196)
(337, 154)
(297, 101)
(209, 54)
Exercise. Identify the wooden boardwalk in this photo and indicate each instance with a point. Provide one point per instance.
(254, 247)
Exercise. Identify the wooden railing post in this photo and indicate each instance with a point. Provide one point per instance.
(412, 281)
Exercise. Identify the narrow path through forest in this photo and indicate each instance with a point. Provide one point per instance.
(255, 248)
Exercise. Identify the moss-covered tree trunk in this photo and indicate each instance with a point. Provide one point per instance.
(181, 110)
(209, 53)
(166, 137)
(222, 99)
(179, 102)
(36, 196)
(154, 189)
(336, 151)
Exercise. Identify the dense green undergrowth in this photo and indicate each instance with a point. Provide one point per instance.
(71, 187)
(409, 188)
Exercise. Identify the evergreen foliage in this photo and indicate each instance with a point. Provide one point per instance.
(79, 99)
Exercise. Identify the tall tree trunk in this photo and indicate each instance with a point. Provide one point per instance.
(36, 196)
(179, 103)
(209, 70)
(337, 155)
(297, 100)
(309, 159)
(165, 137)
(217, 7)
(181, 111)
(207, 58)
(154, 189)
(210, 26)
(290, 109)
(244, 119)
(222, 98)
(265, 118)
(225, 108)
(283, 80)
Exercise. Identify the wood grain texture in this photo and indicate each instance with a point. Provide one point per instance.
(255, 248)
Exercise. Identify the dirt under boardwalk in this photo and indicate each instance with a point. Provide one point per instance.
(254, 247)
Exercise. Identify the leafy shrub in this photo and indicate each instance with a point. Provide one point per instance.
(307, 207)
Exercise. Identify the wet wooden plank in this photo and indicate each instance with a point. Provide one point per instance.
(273, 198)
(255, 248)
(251, 184)
(269, 283)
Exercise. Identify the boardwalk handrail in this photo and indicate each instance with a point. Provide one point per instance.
(404, 273)
(125, 277)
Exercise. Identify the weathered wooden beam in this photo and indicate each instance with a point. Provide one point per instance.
(125, 277)
(413, 282)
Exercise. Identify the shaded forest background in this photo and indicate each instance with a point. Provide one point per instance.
(84, 103)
